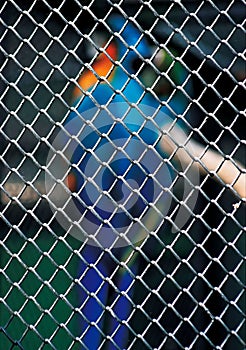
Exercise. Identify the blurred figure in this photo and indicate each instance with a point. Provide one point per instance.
(106, 286)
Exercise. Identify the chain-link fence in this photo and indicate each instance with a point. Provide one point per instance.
(122, 175)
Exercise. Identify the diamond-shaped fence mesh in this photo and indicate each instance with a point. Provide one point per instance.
(122, 175)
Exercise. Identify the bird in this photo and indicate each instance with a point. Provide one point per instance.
(110, 104)
(103, 280)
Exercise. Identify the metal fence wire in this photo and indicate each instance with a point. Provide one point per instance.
(122, 174)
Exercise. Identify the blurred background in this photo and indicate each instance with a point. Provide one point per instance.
(44, 48)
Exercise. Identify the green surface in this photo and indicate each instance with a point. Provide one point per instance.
(33, 310)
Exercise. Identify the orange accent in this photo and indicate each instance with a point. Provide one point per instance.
(71, 182)
(102, 66)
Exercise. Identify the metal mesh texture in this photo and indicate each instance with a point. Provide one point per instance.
(184, 288)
